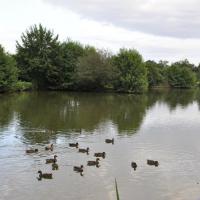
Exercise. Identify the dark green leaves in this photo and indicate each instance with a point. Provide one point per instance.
(8, 71)
(181, 76)
(39, 57)
(132, 73)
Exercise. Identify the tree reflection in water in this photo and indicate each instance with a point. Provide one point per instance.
(42, 115)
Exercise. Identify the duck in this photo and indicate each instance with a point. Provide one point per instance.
(103, 154)
(73, 145)
(50, 147)
(45, 175)
(134, 165)
(32, 151)
(84, 150)
(54, 165)
(109, 140)
(78, 169)
(93, 162)
(153, 162)
(51, 160)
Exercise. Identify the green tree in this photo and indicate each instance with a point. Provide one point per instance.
(132, 73)
(39, 58)
(8, 71)
(185, 63)
(181, 76)
(94, 70)
(155, 73)
(71, 51)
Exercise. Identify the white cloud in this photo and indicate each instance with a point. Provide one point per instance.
(17, 16)
(177, 18)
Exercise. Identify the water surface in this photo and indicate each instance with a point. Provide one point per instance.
(164, 126)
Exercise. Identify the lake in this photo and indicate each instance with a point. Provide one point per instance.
(160, 125)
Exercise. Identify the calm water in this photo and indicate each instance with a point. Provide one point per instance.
(164, 126)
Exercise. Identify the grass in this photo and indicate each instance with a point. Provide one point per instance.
(116, 190)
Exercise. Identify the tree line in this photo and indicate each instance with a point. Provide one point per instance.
(42, 62)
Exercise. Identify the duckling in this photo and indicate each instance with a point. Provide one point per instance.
(84, 150)
(134, 165)
(103, 154)
(73, 145)
(47, 148)
(51, 160)
(45, 175)
(93, 162)
(54, 165)
(32, 151)
(153, 162)
(78, 169)
(109, 140)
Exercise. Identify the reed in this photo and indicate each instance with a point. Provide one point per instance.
(116, 190)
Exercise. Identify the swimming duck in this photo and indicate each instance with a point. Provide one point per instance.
(31, 150)
(134, 165)
(84, 150)
(109, 140)
(93, 162)
(45, 175)
(54, 166)
(73, 145)
(51, 160)
(78, 169)
(103, 154)
(153, 162)
(50, 147)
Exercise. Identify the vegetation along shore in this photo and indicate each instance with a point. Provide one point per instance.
(42, 62)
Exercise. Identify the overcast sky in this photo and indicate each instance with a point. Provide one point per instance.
(158, 29)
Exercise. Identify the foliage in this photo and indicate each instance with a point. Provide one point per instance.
(23, 86)
(71, 52)
(155, 73)
(197, 71)
(45, 63)
(185, 63)
(181, 76)
(39, 58)
(8, 71)
(94, 70)
(132, 73)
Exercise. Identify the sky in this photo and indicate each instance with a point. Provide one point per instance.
(158, 29)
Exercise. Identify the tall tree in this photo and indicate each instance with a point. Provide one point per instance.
(132, 73)
(39, 58)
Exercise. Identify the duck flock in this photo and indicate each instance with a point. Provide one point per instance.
(80, 169)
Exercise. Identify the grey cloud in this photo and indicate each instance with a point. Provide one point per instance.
(174, 18)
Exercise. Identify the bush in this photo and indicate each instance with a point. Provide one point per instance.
(181, 77)
(23, 86)
(94, 70)
(8, 71)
